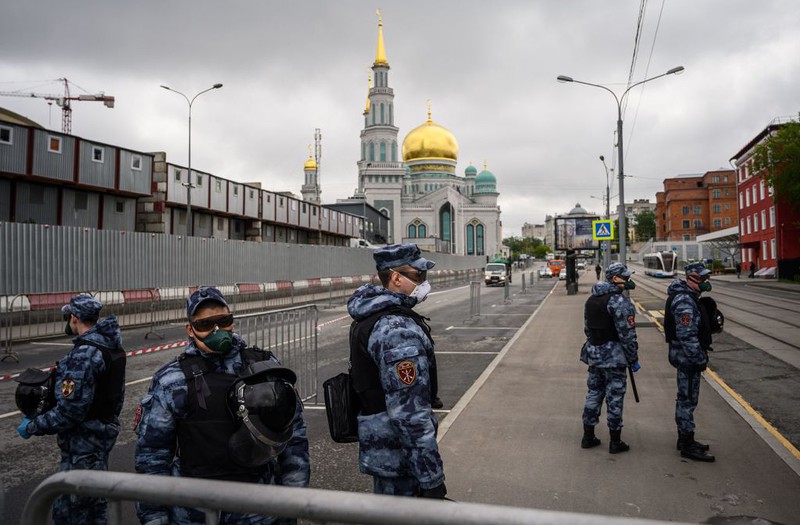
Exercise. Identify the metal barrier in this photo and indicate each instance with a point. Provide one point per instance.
(506, 292)
(474, 299)
(522, 280)
(290, 334)
(304, 503)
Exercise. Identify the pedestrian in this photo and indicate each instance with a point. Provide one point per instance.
(597, 270)
(221, 411)
(610, 348)
(394, 373)
(738, 269)
(752, 269)
(687, 329)
(89, 388)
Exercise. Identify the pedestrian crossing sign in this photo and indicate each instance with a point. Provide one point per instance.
(603, 230)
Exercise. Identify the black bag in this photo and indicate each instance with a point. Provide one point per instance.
(715, 317)
(342, 407)
(35, 393)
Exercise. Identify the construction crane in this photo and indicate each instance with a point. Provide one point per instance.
(64, 102)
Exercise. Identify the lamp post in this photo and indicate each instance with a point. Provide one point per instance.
(188, 183)
(618, 100)
(607, 255)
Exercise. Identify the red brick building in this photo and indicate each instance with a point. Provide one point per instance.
(769, 229)
(692, 205)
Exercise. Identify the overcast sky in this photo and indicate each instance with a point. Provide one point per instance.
(489, 69)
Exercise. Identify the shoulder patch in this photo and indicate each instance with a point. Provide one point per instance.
(686, 319)
(631, 320)
(137, 416)
(407, 372)
(67, 387)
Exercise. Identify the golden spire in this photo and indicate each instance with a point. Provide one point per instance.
(429, 110)
(310, 164)
(369, 88)
(380, 53)
(485, 165)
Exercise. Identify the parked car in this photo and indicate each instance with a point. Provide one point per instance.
(544, 271)
(581, 265)
(562, 275)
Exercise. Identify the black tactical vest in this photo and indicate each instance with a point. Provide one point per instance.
(203, 434)
(703, 331)
(363, 370)
(110, 389)
(599, 321)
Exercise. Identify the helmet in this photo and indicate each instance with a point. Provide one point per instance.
(265, 401)
(35, 394)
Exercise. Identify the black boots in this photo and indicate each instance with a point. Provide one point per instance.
(617, 445)
(692, 449)
(699, 445)
(589, 440)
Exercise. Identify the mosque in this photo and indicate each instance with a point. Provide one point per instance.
(427, 202)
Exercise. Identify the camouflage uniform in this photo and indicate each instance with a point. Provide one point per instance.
(608, 361)
(85, 444)
(165, 403)
(686, 353)
(398, 447)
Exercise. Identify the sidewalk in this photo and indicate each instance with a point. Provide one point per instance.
(516, 441)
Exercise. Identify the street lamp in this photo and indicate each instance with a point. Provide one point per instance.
(188, 183)
(607, 255)
(622, 222)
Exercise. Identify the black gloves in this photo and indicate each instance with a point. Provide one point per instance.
(437, 492)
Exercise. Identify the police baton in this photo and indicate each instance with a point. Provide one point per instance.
(633, 384)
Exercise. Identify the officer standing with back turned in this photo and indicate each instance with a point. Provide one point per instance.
(89, 393)
(610, 348)
(394, 374)
(220, 411)
(687, 329)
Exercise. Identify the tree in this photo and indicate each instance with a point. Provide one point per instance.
(520, 245)
(645, 226)
(541, 251)
(779, 158)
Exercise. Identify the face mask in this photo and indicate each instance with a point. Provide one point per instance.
(219, 341)
(421, 291)
(630, 285)
(705, 286)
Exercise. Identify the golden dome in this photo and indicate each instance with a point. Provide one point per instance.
(430, 140)
(310, 164)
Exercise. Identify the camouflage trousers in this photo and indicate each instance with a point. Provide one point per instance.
(80, 510)
(609, 384)
(402, 486)
(686, 402)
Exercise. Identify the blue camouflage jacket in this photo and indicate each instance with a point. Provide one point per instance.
(402, 440)
(613, 354)
(166, 402)
(685, 350)
(76, 377)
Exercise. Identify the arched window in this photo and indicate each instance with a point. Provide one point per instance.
(423, 231)
(383, 152)
(445, 217)
(371, 151)
(470, 239)
(479, 239)
(382, 119)
(412, 231)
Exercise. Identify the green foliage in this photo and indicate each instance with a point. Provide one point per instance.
(779, 158)
(645, 226)
(519, 245)
(541, 251)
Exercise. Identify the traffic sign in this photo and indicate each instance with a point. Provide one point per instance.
(603, 230)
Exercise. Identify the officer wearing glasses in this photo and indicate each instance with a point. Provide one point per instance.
(190, 423)
(394, 374)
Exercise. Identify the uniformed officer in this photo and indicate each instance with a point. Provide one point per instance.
(687, 329)
(188, 422)
(610, 348)
(394, 373)
(89, 393)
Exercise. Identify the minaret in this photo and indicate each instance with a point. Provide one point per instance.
(380, 168)
(310, 189)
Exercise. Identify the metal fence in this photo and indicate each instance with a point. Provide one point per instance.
(324, 506)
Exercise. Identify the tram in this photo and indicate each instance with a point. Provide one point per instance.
(660, 264)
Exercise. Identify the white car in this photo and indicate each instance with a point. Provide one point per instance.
(562, 275)
(544, 271)
(581, 266)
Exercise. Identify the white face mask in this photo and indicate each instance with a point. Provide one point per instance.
(420, 291)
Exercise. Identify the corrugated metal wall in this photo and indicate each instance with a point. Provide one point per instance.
(39, 259)
(51, 164)
(97, 165)
(80, 208)
(12, 156)
(36, 203)
(5, 200)
(119, 213)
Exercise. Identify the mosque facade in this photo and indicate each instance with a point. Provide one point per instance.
(416, 184)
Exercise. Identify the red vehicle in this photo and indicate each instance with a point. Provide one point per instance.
(556, 265)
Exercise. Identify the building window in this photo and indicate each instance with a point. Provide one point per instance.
(741, 201)
(6, 135)
(687, 237)
(772, 216)
(727, 221)
(717, 223)
(746, 198)
(727, 207)
(698, 224)
(764, 252)
(685, 225)
(313, 211)
(199, 180)
(724, 178)
(727, 192)
(218, 186)
(136, 162)
(715, 179)
(54, 144)
(479, 240)
(280, 202)
(470, 239)
(717, 208)
(294, 205)
(755, 194)
(741, 226)
(97, 154)
(685, 210)
(119, 206)
(422, 231)
(763, 218)
(220, 223)
(236, 191)
(698, 210)
(177, 175)
(383, 152)
(749, 225)
(81, 200)
(772, 248)
(252, 194)
(304, 210)
(412, 231)
(716, 194)
(372, 151)
(755, 222)
(382, 113)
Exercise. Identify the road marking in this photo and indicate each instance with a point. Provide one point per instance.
(503, 315)
(479, 328)
(317, 406)
(468, 353)
(54, 344)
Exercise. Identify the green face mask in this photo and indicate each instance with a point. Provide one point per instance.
(219, 341)
(629, 284)
(705, 286)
